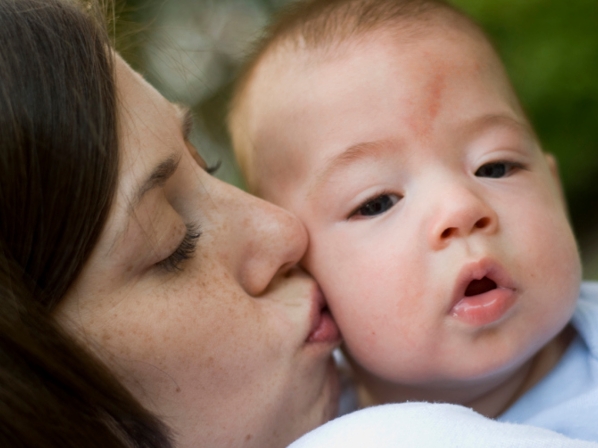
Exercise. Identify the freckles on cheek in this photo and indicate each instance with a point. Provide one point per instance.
(178, 346)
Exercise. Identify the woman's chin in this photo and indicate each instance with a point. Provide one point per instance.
(330, 394)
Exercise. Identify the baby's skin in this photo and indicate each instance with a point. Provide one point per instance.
(437, 227)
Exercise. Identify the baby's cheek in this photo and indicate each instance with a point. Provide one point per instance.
(361, 342)
(548, 260)
(561, 274)
(360, 311)
(557, 251)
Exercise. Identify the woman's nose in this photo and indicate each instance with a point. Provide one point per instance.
(460, 213)
(270, 241)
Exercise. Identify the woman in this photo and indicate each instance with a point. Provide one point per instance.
(192, 297)
(116, 239)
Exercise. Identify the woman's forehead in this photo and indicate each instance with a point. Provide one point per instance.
(151, 143)
(150, 127)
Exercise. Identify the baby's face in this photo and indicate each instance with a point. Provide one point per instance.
(437, 228)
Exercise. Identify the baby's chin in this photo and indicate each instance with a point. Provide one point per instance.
(448, 375)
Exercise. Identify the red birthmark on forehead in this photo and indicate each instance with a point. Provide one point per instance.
(425, 113)
(435, 87)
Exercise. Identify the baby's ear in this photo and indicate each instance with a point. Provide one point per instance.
(554, 170)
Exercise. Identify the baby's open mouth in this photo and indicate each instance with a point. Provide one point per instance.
(484, 293)
(476, 287)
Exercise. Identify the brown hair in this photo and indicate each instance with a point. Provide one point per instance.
(58, 175)
(323, 24)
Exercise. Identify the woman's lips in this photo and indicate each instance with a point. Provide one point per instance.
(323, 328)
(483, 294)
(326, 329)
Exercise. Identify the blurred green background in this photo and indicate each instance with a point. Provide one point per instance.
(190, 50)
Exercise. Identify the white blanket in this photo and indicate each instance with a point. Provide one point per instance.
(427, 425)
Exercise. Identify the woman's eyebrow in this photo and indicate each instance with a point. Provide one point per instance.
(167, 167)
(158, 177)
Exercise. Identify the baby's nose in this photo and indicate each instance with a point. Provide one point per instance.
(460, 213)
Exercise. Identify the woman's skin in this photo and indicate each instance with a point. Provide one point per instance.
(228, 343)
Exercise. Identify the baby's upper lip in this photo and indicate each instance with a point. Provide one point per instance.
(477, 270)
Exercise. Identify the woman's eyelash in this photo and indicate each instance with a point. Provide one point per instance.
(211, 169)
(185, 250)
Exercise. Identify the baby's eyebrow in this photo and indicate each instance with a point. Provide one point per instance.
(353, 154)
(486, 122)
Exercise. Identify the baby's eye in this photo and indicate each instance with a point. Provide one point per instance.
(376, 206)
(496, 170)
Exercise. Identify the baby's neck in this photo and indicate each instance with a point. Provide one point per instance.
(489, 397)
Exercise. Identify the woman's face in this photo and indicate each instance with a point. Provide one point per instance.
(219, 334)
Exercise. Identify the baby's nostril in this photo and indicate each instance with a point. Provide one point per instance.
(482, 223)
(448, 232)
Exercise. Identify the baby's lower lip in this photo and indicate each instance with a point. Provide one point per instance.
(484, 309)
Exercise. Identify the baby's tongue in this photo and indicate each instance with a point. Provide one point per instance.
(476, 287)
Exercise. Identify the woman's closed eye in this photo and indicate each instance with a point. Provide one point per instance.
(376, 206)
(183, 252)
(496, 170)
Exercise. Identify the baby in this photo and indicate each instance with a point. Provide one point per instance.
(437, 227)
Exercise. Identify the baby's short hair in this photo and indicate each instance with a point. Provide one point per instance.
(322, 25)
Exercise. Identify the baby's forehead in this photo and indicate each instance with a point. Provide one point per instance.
(291, 55)
(291, 79)
(439, 52)
(341, 29)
